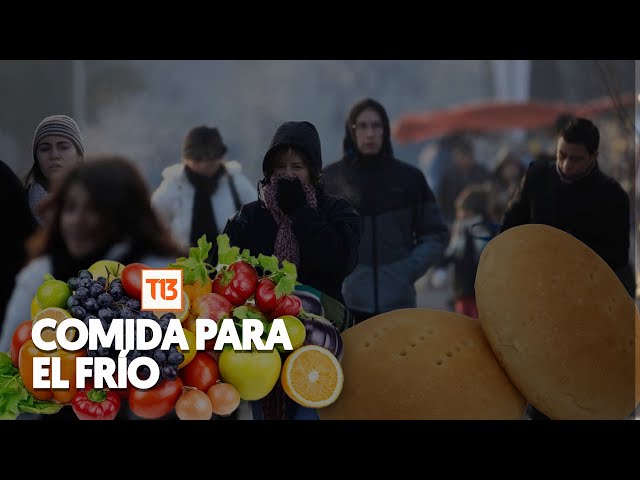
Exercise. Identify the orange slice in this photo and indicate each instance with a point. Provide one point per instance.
(181, 314)
(312, 376)
(58, 314)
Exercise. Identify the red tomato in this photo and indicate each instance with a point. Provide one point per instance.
(155, 402)
(202, 372)
(21, 334)
(131, 277)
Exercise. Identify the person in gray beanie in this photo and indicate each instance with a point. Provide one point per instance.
(57, 147)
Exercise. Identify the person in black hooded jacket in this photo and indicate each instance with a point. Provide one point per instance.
(403, 232)
(295, 220)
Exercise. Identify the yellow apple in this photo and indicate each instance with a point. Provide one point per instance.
(254, 373)
(108, 269)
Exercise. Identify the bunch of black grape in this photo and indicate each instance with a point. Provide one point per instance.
(97, 299)
(167, 360)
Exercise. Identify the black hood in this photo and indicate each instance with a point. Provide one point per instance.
(349, 146)
(300, 135)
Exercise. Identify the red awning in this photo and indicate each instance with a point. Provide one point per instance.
(494, 116)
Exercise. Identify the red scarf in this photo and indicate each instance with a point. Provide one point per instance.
(285, 248)
(286, 245)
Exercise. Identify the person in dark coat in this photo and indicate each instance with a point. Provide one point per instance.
(574, 195)
(403, 233)
(23, 224)
(295, 220)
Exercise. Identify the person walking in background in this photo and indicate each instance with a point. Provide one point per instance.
(57, 147)
(463, 171)
(403, 233)
(574, 195)
(295, 220)
(100, 211)
(23, 224)
(468, 239)
(502, 184)
(199, 195)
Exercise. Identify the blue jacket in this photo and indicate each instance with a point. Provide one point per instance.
(402, 230)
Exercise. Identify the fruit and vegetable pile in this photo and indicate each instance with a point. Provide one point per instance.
(193, 384)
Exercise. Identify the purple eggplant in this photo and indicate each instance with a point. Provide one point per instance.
(321, 332)
(310, 303)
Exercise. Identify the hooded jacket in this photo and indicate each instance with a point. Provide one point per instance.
(403, 233)
(328, 236)
(173, 199)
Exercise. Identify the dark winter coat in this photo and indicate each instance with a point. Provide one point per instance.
(594, 209)
(403, 233)
(327, 236)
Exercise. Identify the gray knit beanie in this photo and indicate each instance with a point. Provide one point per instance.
(62, 126)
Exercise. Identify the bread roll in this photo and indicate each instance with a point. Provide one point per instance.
(422, 364)
(560, 322)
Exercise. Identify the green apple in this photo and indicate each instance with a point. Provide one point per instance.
(254, 373)
(108, 269)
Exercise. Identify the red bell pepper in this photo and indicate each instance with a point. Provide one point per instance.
(287, 305)
(96, 404)
(271, 305)
(265, 296)
(236, 283)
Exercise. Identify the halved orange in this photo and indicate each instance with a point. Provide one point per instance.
(58, 314)
(312, 376)
(180, 315)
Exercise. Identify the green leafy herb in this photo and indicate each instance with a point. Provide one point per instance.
(195, 268)
(268, 264)
(226, 253)
(14, 397)
(31, 405)
(285, 279)
(248, 311)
